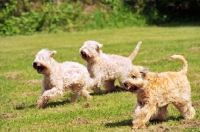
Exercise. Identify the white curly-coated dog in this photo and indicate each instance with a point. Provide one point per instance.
(59, 77)
(106, 68)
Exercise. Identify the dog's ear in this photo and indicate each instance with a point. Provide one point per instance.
(53, 53)
(98, 47)
(144, 70)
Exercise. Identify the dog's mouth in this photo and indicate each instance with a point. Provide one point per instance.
(133, 89)
(84, 55)
(38, 67)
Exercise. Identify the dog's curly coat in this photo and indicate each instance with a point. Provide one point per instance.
(157, 90)
(106, 68)
(59, 77)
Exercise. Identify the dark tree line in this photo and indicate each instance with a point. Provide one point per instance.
(159, 11)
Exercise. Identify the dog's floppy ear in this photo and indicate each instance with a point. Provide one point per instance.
(98, 47)
(144, 70)
(53, 53)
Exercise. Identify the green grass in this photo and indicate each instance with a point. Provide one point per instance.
(20, 85)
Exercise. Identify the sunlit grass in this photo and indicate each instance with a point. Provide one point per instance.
(20, 84)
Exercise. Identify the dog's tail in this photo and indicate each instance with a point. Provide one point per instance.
(133, 55)
(181, 58)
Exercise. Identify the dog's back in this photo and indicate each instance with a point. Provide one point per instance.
(171, 84)
(74, 72)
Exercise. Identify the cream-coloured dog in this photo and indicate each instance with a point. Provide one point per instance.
(106, 68)
(59, 77)
(157, 90)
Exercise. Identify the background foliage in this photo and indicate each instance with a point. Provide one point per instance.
(163, 11)
(29, 16)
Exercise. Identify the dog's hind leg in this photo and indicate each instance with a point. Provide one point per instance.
(109, 86)
(186, 109)
(161, 114)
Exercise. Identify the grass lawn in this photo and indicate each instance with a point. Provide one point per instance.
(20, 85)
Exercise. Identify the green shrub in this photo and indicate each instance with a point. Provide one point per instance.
(27, 20)
(115, 15)
(101, 19)
(29, 16)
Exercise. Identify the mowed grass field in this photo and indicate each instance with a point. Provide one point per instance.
(20, 85)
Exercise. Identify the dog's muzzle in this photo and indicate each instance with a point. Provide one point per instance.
(130, 89)
(38, 67)
(83, 54)
(133, 89)
(126, 84)
(35, 65)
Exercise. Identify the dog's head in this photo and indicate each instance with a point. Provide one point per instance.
(42, 62)
(90, 50)
(135, 79)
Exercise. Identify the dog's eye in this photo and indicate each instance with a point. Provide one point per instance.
(133, 76)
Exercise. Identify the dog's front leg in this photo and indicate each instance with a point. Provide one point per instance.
(48, 94)
(142, 114)
(109, 86)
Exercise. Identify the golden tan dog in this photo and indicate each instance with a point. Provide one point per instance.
(157, 90)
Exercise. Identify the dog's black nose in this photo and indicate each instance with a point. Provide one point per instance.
(34, 64)
(82, 53)
(126, 84)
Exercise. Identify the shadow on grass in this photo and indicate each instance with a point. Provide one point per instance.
(179, 24)
(54, 104)
(129, 122)
(51, 104)
(97, 93)
(117, 89)
(172, 118)
(120, 123)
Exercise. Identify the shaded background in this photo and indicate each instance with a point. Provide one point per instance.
(30, 16)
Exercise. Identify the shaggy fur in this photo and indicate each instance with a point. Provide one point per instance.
(157, 90)
(59, 77)
(106, 68)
